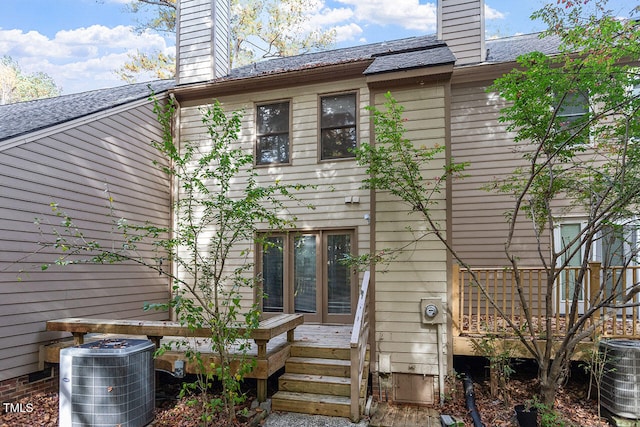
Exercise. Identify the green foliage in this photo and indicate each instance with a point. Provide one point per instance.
(260, 29)
(587, 163)
(597, 364)
(217, 212)
(396, 165)
(547, 415)
(500, 356)
(16, 86)
(593, 159)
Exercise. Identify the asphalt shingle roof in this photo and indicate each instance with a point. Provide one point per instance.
(25, 117)
(415, 52)
(509, 48)
(424, 46)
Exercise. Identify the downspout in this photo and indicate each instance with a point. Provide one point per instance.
(175, 133)
(440, 363)
(471, 401)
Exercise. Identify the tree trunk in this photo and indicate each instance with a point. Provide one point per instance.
(548, 390)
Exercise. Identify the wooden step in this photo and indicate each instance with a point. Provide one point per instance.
(300, 349)
(329, 351)
(317, 366)
(317, 384)
(311, 403)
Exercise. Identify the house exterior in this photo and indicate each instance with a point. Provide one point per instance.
(301, 114)
(77, 151)
(300, 117)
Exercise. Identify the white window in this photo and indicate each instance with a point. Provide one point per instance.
(615, 247)
(567, 236)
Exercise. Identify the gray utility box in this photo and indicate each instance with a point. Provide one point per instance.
(107, 383)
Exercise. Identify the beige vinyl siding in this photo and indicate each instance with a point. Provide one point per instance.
(72, 167)
(479, 228)
(461, 25)
(420, 270)
(333, 180)
(203, 40)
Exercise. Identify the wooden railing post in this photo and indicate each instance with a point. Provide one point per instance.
(359, 339)
(594, 289)
(455, 301)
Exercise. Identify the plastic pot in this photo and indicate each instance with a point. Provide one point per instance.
(526, 416)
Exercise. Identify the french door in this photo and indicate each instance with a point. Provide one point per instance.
(302, 272)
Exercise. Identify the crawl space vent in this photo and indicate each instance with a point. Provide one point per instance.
(620, 385)
(107, 383)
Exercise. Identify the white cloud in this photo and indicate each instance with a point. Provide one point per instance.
(348, 33)
(327, 17)
(491, 13)
(79, 59)
(409, 14)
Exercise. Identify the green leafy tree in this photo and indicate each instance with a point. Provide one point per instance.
(591, 161)
(16, 86)
(260, 29)
(211, 246)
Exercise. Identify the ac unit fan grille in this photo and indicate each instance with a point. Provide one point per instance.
(107, 386)
(620, 385)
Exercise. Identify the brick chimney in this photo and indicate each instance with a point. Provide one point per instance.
(202, 44)
(461, 26)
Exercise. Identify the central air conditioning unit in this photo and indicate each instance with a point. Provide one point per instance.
(107, 383)
(620, 385)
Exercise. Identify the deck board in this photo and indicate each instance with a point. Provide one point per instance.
(395, 415)
(305, 334)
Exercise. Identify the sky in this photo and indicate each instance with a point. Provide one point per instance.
(79, 43)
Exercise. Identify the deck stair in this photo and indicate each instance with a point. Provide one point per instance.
(317, 381)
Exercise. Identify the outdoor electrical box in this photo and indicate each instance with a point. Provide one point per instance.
(432, 311)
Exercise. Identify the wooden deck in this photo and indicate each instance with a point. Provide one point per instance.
(334, 359)
(474, 317)
(277, 349)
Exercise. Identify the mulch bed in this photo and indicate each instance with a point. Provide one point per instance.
(572, 406)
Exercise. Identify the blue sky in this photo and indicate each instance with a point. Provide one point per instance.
(81, 42)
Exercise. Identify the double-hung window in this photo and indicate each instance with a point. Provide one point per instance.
(338, 128)
(573, 108)
(272, 133)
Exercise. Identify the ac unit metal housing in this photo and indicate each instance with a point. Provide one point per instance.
(620, 385)
(107, 383)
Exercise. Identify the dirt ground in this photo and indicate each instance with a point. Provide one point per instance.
(572, 405)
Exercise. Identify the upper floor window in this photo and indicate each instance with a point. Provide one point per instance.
(574, 107)
(272, 133)
(337, 126)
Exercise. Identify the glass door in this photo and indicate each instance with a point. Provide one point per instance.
(572, 258)
(616, 251)
(305, 276)
(339, 279)
(303, 272)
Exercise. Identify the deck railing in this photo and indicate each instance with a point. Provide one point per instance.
(359, 339)
(473, 314)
